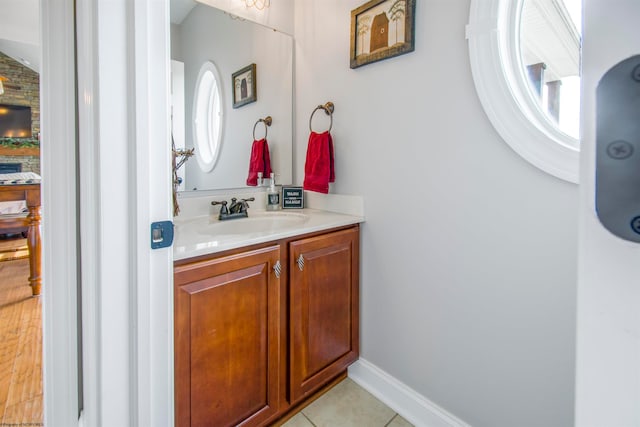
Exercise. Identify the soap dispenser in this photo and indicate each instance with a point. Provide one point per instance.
(273, 195)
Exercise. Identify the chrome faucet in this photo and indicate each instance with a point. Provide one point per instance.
(237, 209)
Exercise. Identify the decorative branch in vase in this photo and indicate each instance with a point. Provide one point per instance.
(179, 157)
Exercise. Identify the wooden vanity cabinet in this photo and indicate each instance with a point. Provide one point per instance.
(228, 331)
(324, 309)
(250, 345)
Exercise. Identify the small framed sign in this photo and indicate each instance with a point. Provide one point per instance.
(292, 198)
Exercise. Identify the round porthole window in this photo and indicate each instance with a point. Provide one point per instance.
(208, 116)
(525, 57)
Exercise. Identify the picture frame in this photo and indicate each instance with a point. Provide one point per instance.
(382, 29)
(244, 85)
(292, 197)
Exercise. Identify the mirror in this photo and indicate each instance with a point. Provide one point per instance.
(206, 34)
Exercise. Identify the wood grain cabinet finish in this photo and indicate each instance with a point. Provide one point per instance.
(250, 346)
(228, 332)
(324, 309)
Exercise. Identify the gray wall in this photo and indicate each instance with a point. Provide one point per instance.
(468, 252)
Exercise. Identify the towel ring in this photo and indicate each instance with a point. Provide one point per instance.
(328, 109)
(267, 122)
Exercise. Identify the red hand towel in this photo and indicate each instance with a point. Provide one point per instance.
(319, 169)
(259, 161)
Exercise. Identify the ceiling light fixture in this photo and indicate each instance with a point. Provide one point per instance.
(258, 4)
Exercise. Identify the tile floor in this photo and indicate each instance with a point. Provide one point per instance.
(347, 405)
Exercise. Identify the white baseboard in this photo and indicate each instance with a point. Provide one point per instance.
(410, 404)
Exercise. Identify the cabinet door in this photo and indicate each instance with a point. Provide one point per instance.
(228, 333)
(324, 309)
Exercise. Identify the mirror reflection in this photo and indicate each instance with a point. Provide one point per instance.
(550, 40)
(207, 116)
(204, 34)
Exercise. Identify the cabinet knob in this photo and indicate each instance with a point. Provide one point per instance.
(301, 262)
(277, 269)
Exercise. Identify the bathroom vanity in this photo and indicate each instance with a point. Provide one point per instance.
(265, 318)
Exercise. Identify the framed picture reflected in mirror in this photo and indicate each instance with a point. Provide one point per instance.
(244, 86)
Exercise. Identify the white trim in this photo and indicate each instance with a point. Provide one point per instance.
(123, 74)
(153, 320)
(107, 144)
(607, 372)
(500, 82)
(90, 207)
(59, 214)
(212, 143)
(411, 405)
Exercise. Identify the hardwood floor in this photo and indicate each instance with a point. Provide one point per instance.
(20, 347)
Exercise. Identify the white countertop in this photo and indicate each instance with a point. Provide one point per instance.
(205, 234)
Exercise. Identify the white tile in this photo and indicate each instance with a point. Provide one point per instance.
(299, 420)
(348, 405)
(398, 421)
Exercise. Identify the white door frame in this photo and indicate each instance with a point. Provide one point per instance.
(59, 214)
(123, 184)
(154, 203)
(608, 308)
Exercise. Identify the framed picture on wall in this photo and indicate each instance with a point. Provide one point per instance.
(382, 29)
(244, 86)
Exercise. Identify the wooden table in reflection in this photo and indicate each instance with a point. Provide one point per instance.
(9, 223)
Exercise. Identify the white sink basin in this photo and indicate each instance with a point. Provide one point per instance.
(262, 222)
(205, 234)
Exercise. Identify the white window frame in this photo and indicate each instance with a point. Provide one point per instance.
(207, 139)
(502, 87)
